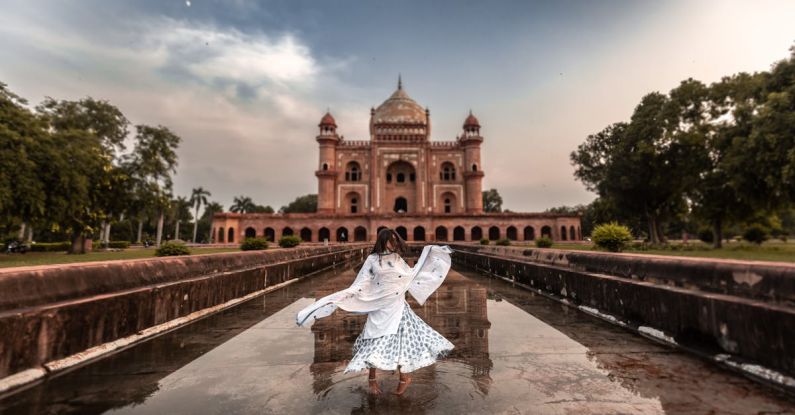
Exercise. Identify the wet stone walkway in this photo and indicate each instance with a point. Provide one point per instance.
(515, 352)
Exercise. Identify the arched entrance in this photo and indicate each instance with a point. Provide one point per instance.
(360, 234)
(419, 233)
(306, 234)
(230, 236)
(270, 234)
(563, 233)
(529, 233)
(458, 234)
(510, 233)
(401, 183)
(323, 235)
(342, 234)
(221, 235)
(401, 205)
(441, 233)
(402, 232)
(494, 233)
(546, 231)
(477, 233)
(288, 231)
(251, 233)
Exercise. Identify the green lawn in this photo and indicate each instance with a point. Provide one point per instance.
(769, 251)
(48, 258)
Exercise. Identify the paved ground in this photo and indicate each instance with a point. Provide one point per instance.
(515, 353)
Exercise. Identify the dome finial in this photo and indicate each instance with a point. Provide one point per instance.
(400, 81)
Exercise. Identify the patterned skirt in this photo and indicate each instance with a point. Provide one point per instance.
(415, 345)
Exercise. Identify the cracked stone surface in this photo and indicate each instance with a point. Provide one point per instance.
(516, 352)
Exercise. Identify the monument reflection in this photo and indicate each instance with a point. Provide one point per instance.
(457, 310)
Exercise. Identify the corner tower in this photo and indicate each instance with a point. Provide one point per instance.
(473, 171)
(326, 172)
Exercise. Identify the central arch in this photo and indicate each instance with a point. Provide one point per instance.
(401, 184)
(342, 234)
(477, 233)
(458, 233)
(419, 233)
(402, 232)
(306, 234)
(401, 205)
(323, 235)
(441, 233)
(360, 234)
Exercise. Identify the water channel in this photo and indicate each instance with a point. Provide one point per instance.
(516, 352)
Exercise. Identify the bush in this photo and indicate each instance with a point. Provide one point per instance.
(172, 248)
(112, 245)
(503, 242)
(289, 241)
(254, 244)
(484, 241)
(50, 246)
(755, 233)
(544, 242)
(706, 235)
(611, 236)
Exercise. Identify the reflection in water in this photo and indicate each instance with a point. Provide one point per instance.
(457, 310)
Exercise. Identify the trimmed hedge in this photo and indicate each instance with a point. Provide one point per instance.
(50, 246)
(755, 233)
(289, 241)
(484, 241)
(254, 244)
(503, 242)
(611, 236)
(172, 249)
(112, 245)
(544, 242)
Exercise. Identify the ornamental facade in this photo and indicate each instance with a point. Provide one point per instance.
(425, 190)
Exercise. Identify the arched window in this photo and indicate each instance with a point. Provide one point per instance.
(221, 235)
(354, 205)
(563, 233)
(412, 177)
(441, 233)
(360, 234)
(401, 178)
(477, 233)
(212, 235)
(572, 234)
(402, 232)
(458, 234)
(389, 177)
(529, 233)
(447, 172)
(270, 234)
(288, 231)
(401, 205)
(510, 233)
(325, 166)
(230, 236)
(474, 167)
(448, 206)
(251, 233)
(494, 233)
(323, 235)
(353, 173)
(380, 228)
(342, 234)
(546, 231)
(306, 234)
(419, 233)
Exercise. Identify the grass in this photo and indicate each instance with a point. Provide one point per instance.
(775, 251)
(50, 258)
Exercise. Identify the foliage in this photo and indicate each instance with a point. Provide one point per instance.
(301, 204)
(706, 235)
(172, 248)
(50, 247)
(198, 197)
(254, 244)
(755, 233)
(289, 241)
(484, 241)
(113, 245)
(611, 236)
(503, 242)
(492, 201)
(544, 242)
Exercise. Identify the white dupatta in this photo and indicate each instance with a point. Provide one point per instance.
(380, 287)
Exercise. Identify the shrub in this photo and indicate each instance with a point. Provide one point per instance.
(50, 246)
(503, 242)
(706, 235)
(611, 236)
(254, 244)
(289, 241)
(172, 248)
(119, 244)
(544, 242)
(484, 241)
(755, 233)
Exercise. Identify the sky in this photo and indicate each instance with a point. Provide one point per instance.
(244, 83)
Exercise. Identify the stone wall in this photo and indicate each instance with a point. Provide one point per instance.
(737, 311)
(52, 312)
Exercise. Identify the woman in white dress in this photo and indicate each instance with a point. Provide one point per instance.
(394, 337)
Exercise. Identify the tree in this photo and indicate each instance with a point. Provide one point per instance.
(180, 209)
(242, 204)
(301, 204)
(198, 197)
(152, 162)
(492, 201)
(262, 209)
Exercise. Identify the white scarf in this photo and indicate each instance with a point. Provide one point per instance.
(380, 287)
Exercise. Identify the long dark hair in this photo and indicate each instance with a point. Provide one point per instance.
(388, 241)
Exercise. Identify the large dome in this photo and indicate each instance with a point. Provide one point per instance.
(400, 109)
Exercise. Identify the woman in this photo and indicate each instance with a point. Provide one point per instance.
(394, 338)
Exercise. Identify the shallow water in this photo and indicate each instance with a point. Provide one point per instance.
(516, 352)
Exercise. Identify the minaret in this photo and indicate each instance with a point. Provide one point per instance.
(326, 172)
(473, 171)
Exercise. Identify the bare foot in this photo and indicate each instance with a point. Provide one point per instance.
(402, 386)
(374, 388)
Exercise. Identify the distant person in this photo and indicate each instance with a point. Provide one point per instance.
(394, 338)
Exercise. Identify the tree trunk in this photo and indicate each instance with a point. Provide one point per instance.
(660, 234)
(159, 230)
(78, 243)
(195, 223)
(176, 230)
(140, 230)
(653, 237)
(22, 228)
(29, 238)
(717, 234)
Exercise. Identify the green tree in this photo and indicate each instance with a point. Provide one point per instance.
(242, 204)
(492, 201)
(198, 197)
(301, 204)
(180, 210)
(262, 209)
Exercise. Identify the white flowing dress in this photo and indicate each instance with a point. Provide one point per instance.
(393, 335)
